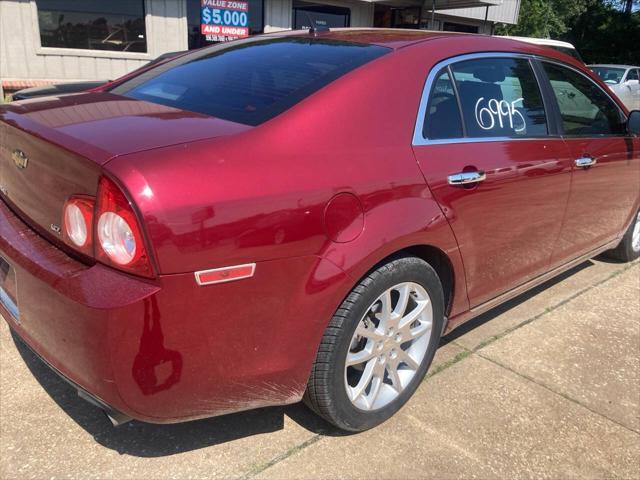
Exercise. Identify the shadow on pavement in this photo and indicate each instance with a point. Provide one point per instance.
(514, 302)
(604, 258)
(149, 440)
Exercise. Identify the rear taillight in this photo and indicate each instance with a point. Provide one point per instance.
(77, 223)
(107, 229)
(118, 238)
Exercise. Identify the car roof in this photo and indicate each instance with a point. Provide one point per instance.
(542, 41)
(611, 65)
(386, 37)
(397, 38)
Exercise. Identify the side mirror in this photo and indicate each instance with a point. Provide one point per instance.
(633, 123)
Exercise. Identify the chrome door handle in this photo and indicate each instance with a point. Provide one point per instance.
(466, 178)
(584, 162)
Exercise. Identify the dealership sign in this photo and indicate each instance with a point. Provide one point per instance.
(224, 19)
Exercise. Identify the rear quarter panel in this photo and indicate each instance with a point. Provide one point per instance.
(262, 194)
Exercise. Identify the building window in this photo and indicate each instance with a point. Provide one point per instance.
(116, 25)
(459, 27)
(305, 14)
(197, 40)
(406, 17)
(385, 16)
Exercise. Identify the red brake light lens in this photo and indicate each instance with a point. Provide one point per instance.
(77, 223)
(119, 240)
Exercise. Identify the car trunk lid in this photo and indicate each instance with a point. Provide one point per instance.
(104, 125)
(53, 148)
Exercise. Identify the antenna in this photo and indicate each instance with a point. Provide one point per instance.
(313, 28)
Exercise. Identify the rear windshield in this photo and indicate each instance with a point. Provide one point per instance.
(249, 81)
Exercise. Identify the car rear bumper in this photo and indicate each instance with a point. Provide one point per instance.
(116, 417)
(169, 350)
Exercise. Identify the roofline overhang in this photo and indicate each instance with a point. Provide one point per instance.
(443, 4)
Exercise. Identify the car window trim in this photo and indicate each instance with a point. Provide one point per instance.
(554, 119)
(454, 85)
(418, 138)
(550, 102)
(623, 116)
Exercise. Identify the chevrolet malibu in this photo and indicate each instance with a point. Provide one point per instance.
(302, 215)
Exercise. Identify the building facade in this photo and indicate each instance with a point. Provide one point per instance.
(52, 41)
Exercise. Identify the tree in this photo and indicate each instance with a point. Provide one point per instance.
(544, 18)
(605, 34)
(603, 31)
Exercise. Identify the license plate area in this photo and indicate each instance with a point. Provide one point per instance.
(9, 289)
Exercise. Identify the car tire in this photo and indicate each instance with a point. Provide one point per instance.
(387, 338)
(629, 247)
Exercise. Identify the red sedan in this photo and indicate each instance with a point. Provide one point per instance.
(302, 215)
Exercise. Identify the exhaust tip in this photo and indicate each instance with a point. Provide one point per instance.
(117, 418)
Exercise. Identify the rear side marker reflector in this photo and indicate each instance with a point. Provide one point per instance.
(225, 274)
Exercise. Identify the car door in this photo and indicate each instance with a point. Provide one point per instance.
(627, 89)
(606, 163)
(487, 151)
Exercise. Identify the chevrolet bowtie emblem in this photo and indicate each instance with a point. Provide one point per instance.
(20, 159)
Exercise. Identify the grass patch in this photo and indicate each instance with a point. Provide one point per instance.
(292, 451)
(444, 365)
(548, 310)
(465, 353)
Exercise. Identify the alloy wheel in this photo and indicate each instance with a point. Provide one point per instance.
(388, 346)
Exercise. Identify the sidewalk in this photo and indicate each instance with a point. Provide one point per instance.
(546, 386)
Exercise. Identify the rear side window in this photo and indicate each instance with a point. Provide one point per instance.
(585, 109)
(500, 97)
(443, 115)
(249, 81)
(632, 75)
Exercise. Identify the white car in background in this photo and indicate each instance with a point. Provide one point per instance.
(564, 47)
(623, 80)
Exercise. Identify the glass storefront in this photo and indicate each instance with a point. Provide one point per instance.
(197, 40)
(307, 14)
(116, 25)
(385, 16)
(119, 25)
